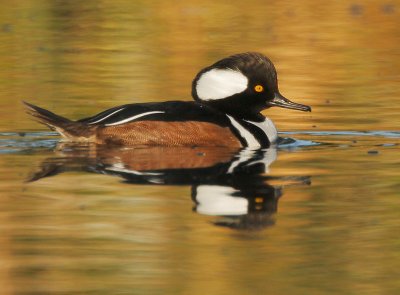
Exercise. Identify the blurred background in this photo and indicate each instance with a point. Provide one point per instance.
(341, 57)
(81, 233)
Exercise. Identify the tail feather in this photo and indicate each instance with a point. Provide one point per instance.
(69, 129)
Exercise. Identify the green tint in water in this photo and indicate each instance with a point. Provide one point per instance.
(337, 202)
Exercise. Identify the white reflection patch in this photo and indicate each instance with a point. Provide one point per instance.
(219, 200)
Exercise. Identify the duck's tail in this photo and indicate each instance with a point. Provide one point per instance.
(69, 129)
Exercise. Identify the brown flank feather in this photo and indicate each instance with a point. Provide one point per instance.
(161, 133)
(139, 133)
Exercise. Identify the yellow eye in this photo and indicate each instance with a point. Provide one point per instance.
(258, 88)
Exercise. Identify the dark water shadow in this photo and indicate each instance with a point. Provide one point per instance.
(232, 185)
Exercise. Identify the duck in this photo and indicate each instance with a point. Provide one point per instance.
(228, 97)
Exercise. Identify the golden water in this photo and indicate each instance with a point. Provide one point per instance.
(336, 227)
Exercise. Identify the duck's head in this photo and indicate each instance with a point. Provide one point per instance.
(241, 85)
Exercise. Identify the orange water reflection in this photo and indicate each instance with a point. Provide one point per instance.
(341, 58)
(85, 232)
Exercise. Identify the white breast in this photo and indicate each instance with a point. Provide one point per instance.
(250, 139)
(267, 126)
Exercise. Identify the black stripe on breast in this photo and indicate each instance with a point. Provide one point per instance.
(256, 132)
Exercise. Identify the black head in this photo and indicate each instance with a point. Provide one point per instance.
(242, 85)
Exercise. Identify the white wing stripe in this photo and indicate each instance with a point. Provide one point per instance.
(107, 116)
(134, 118)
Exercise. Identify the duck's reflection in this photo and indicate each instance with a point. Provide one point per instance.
(230, 184)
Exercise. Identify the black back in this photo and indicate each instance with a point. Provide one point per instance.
(172, 111)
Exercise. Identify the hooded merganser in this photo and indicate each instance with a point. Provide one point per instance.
(229, 96)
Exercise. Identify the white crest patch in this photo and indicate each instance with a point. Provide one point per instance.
(220, 83)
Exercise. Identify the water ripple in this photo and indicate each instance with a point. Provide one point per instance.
(22, 142)
(25, 142)
(382, 133)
